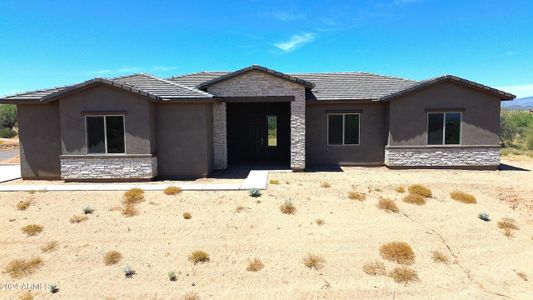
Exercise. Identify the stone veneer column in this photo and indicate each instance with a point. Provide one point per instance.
(220, 136)
(298, 132)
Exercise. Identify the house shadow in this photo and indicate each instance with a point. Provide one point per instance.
(506, 167)
(241, 170)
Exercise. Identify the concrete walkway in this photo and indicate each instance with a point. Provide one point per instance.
(255, 179)
(9, 172)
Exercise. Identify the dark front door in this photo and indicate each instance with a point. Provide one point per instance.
(258, 132)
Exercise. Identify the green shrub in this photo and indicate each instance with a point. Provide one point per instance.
(7, 133)
(8, 116)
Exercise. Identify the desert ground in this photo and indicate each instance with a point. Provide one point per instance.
(234, 228)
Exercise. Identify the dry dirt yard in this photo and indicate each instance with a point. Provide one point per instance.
(234, 228)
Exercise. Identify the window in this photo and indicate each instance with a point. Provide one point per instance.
(105, 134)
(343, 129)
(444, 128)
(272, 131)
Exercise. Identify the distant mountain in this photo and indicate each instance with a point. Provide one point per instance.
(519, 104)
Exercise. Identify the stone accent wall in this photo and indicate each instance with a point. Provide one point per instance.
(449, 156)
(100, 167)
(257, 84)
(220, 142)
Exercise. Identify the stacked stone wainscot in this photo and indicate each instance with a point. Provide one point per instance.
(103, 167)
(442, 156)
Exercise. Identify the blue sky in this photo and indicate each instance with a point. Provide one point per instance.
(53, 43)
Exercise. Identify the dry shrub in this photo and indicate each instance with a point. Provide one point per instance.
(129, 210)
(112, 258)
(320, 222)
(439, 257)
(399, 252)
(388, 205)
(508, 225)
(23, 205)
(463, 197)
(313, 261)
(26, 296)
(187, 215)
(414, 199)
(78, 219)
(172, 190)
(191, 296)
(274, 181)
(199, 256)
(23, 267)
(419, 189)
(255, 265)
(403, 275)
(376, 268)
(325, 185)
(400, 189)
(357, 196)
(522, 275)
(50, 247)
(134, 196)
(32, 229)
(287, 207)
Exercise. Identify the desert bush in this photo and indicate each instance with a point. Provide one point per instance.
(24, 204)
(199, 256)
(313, 261)
(134, 196)
(54, 289)
(8, 117)
(320, 222)
(18, 268)
(172, 190)
(32, 229)
(514, 126)
(399, 252)
(400, 189)
(419, 189)
(7, 133)
(50, 247)
(463, 197)
(255, 265)
(388, 205)
(129, 210)
(439, 257)
(78, 219)
(88, 210)
(112, 257)
(274, 181)
(414, 199)
(129, 272)
(187, 215)
(508, 225)
(403, 275)
(254, 192)
(325, 185)
(484, 216)
(287, 207)
(172, 276)
(357, 196)
(376, 268)
(191, 296)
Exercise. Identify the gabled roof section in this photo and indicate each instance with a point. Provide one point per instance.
(154, 88)
(425, 83)
(297, 80)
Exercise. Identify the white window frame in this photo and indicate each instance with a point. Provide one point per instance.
(444, 127)
(343, 124)
(105, 134)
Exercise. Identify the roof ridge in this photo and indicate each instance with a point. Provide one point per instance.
(37, 90)
(353, 72)
(178, 85)
(196, 73)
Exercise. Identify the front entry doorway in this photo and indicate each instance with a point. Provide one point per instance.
(258, 132)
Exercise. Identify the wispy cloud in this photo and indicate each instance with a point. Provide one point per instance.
(115, 71)
(521, 91)
(285, 16)
(295, 42)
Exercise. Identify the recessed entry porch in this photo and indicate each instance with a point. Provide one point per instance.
(258, 131)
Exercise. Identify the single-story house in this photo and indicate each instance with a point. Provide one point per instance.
(141, 126)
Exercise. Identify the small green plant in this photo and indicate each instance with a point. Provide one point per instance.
(54, 289)
(172, 276)
(484, 216)
(129, 272)
(88, 210)
(274, 181)
(254, 192)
